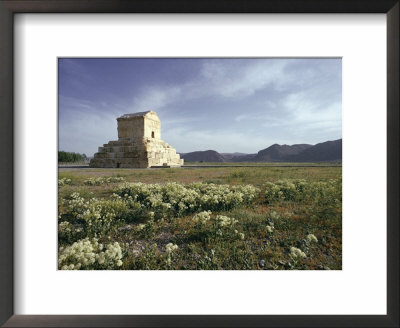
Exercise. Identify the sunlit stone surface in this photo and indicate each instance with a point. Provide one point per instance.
(139, 144)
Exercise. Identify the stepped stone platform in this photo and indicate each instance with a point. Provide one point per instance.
(139, 145)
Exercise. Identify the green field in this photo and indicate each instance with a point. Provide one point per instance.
(273, 218)
(294, 164)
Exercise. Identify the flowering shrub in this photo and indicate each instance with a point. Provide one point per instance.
(220, 221)
(102, 180)
(64, 227)
(272, 193)
(284, 190)
(299, 189)
(202, 217)
(176, 198)
(64, 181)
(311, 238)
(224, 221)
(326, 199)
(89, 254)
(240, 234)
(170, 247)
(208, 227)
(140, 227)
(105, 209)
(97, 215)
(68, 233)
(297, 253)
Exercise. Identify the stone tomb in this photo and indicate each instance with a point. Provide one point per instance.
(139, 145)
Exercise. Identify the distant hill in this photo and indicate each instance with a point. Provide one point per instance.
(279, 153)
(203, 156)
(244, 158)
(231, 156)
(329, 151)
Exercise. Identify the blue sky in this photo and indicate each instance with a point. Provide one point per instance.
(228, 105)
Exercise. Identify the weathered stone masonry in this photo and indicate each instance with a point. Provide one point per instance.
(139, 144)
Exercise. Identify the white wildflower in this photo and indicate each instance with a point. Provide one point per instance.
(311, 238)
(202, 217)
(297, 253)
(87, 254)
(224, 221)
(170, 247)
(140, 227)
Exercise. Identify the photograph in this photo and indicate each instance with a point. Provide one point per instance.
(193, 170)
(199, 163)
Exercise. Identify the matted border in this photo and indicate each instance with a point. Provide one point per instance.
(9, 7)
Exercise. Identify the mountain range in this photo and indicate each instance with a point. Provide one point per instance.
(329, 151)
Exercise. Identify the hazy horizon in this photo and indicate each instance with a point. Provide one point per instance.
(227, 105)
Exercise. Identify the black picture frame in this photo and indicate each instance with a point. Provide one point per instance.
(7, 10)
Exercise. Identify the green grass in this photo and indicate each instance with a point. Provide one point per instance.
(262, 163)
(230, 175)
(261, 238)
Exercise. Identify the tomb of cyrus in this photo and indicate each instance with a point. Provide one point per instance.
(139, 144)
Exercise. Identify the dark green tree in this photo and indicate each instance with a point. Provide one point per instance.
(69, 157)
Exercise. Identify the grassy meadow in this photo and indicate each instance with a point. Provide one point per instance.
(229, 218)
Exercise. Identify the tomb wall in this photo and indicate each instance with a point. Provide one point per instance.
(139, 145)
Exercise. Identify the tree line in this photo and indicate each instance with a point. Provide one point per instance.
(67, 157)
